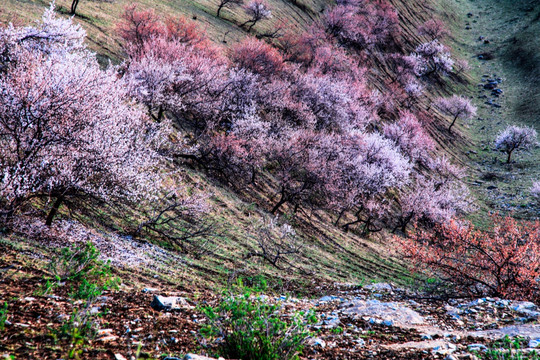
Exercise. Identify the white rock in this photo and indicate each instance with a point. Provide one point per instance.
(317, 342)
(534, 343)
(160, 303)
(390, 313)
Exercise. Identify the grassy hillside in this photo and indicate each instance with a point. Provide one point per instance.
(327, 252)
(99, 18)
(238, 215)
(508, 32)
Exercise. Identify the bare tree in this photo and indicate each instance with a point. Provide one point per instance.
(227, 3)
(276, 242)
(75, 3)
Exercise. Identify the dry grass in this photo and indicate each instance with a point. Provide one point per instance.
(99, 18)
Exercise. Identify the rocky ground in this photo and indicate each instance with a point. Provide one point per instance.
(376, 321)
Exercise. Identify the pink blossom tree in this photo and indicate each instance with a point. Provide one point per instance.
(362, 24)
(366, 167)
(457, 107)
(434, 198)
(515, 138)
(152, 81)
(430, 201)
(410, 137)
(434, 29)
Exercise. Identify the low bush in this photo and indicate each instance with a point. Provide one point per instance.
(244, 325)
(509, 348)
(3, 316)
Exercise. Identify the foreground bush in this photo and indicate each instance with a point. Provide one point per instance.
(247, 327)
(503, 261)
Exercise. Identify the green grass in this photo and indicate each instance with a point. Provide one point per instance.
(508, 28)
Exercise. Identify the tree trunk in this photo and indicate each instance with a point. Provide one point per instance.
(54, 210)
(339, 217)
(251, 26)
(452, 124)
(74, 5)
(509, 157)
(281, 201)
(219, 9)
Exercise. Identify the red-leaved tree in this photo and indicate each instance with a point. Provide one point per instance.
(257, 57)
(503, 261)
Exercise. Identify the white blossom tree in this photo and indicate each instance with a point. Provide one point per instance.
(257, 10)
(515, 138)
(67, 133)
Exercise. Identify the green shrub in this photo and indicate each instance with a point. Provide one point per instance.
(3, 316)
(77, 263)
(80, 329)
(81, 268)
(244, 326)
(509, 349)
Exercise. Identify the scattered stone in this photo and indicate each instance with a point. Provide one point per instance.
(330, 298)
(193, 357)
(360, 342)
(534, 343)
(108, 338)
(150, 290)
(317, 342)
(162, 303)
(520, 306)
(331, 321)
(119, 357)
(103, 332)
(380, 287)
(530, 331)
(389, 312)
(477, 347)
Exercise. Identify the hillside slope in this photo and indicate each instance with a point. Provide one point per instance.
(507, 31)
(99, 18)
(222, 246)
(328, 252)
